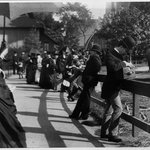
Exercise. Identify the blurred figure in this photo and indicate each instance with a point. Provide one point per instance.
(60, 61)
(38, 70)
(77, 69)
(67, 70)
(32, 66)
(15, 63)
(20, 68)
(23, 57)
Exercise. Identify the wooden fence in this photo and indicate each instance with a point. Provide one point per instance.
(136, 88)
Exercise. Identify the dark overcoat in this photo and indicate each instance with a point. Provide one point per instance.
(90, 74)
(112, 83)
(47, 74)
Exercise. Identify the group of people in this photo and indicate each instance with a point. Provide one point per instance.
(45, 69)
(73, 66)
(18, 63)
(115, 60)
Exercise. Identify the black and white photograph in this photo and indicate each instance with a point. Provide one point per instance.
(75, 74)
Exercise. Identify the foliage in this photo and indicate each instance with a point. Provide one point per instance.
(47, 20)
(51, 27)
(125, 22)
(76, 19)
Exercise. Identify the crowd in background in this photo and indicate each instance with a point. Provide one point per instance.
(48, 69)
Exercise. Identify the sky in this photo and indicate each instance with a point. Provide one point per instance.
(97, 7)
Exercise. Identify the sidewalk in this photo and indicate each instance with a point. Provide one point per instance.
(44, 116)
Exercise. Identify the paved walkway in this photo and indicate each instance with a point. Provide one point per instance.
(44, 116)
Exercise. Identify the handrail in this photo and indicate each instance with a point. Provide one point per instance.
(135, 87)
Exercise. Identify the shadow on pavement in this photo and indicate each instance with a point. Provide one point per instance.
(54, 137)
(94, 140)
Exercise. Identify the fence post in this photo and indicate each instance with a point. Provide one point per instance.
(135, 114)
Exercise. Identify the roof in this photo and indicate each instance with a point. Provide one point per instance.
(21, 22)
(14, 12)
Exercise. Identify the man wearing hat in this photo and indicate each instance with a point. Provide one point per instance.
(111, 88)
(89, 79)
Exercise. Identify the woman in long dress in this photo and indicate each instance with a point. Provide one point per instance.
(31, 68)
(47, 73)
(12, 134)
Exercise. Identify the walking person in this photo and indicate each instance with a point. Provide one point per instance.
(89, 79)
(111, 88)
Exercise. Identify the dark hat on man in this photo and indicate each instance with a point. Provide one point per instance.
(96, 48)
(128, 42)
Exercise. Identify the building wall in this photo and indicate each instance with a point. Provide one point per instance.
(15, 36)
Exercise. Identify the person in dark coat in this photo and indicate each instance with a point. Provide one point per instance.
(47, 73)
(111, 87)
(60, 63)
(31, 68)
(15, 63)
(90, 80)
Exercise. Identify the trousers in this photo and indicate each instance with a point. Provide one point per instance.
(83, 104)
(112, 115)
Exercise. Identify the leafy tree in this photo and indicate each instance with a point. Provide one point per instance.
(125, 22)
(77, 19)
(52, 27)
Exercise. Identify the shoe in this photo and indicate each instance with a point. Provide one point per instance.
(70, 99)
(84, 117)
(114, 139)
(104, 136)
(74, 117)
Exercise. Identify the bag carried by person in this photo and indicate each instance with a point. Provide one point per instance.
(66, 83)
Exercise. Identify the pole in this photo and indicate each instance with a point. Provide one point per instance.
(4, 25)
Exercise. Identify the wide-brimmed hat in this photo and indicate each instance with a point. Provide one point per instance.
(128, 42)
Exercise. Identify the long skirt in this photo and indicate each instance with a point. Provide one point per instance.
(31, 75)
(12, 134)
(46, 80)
